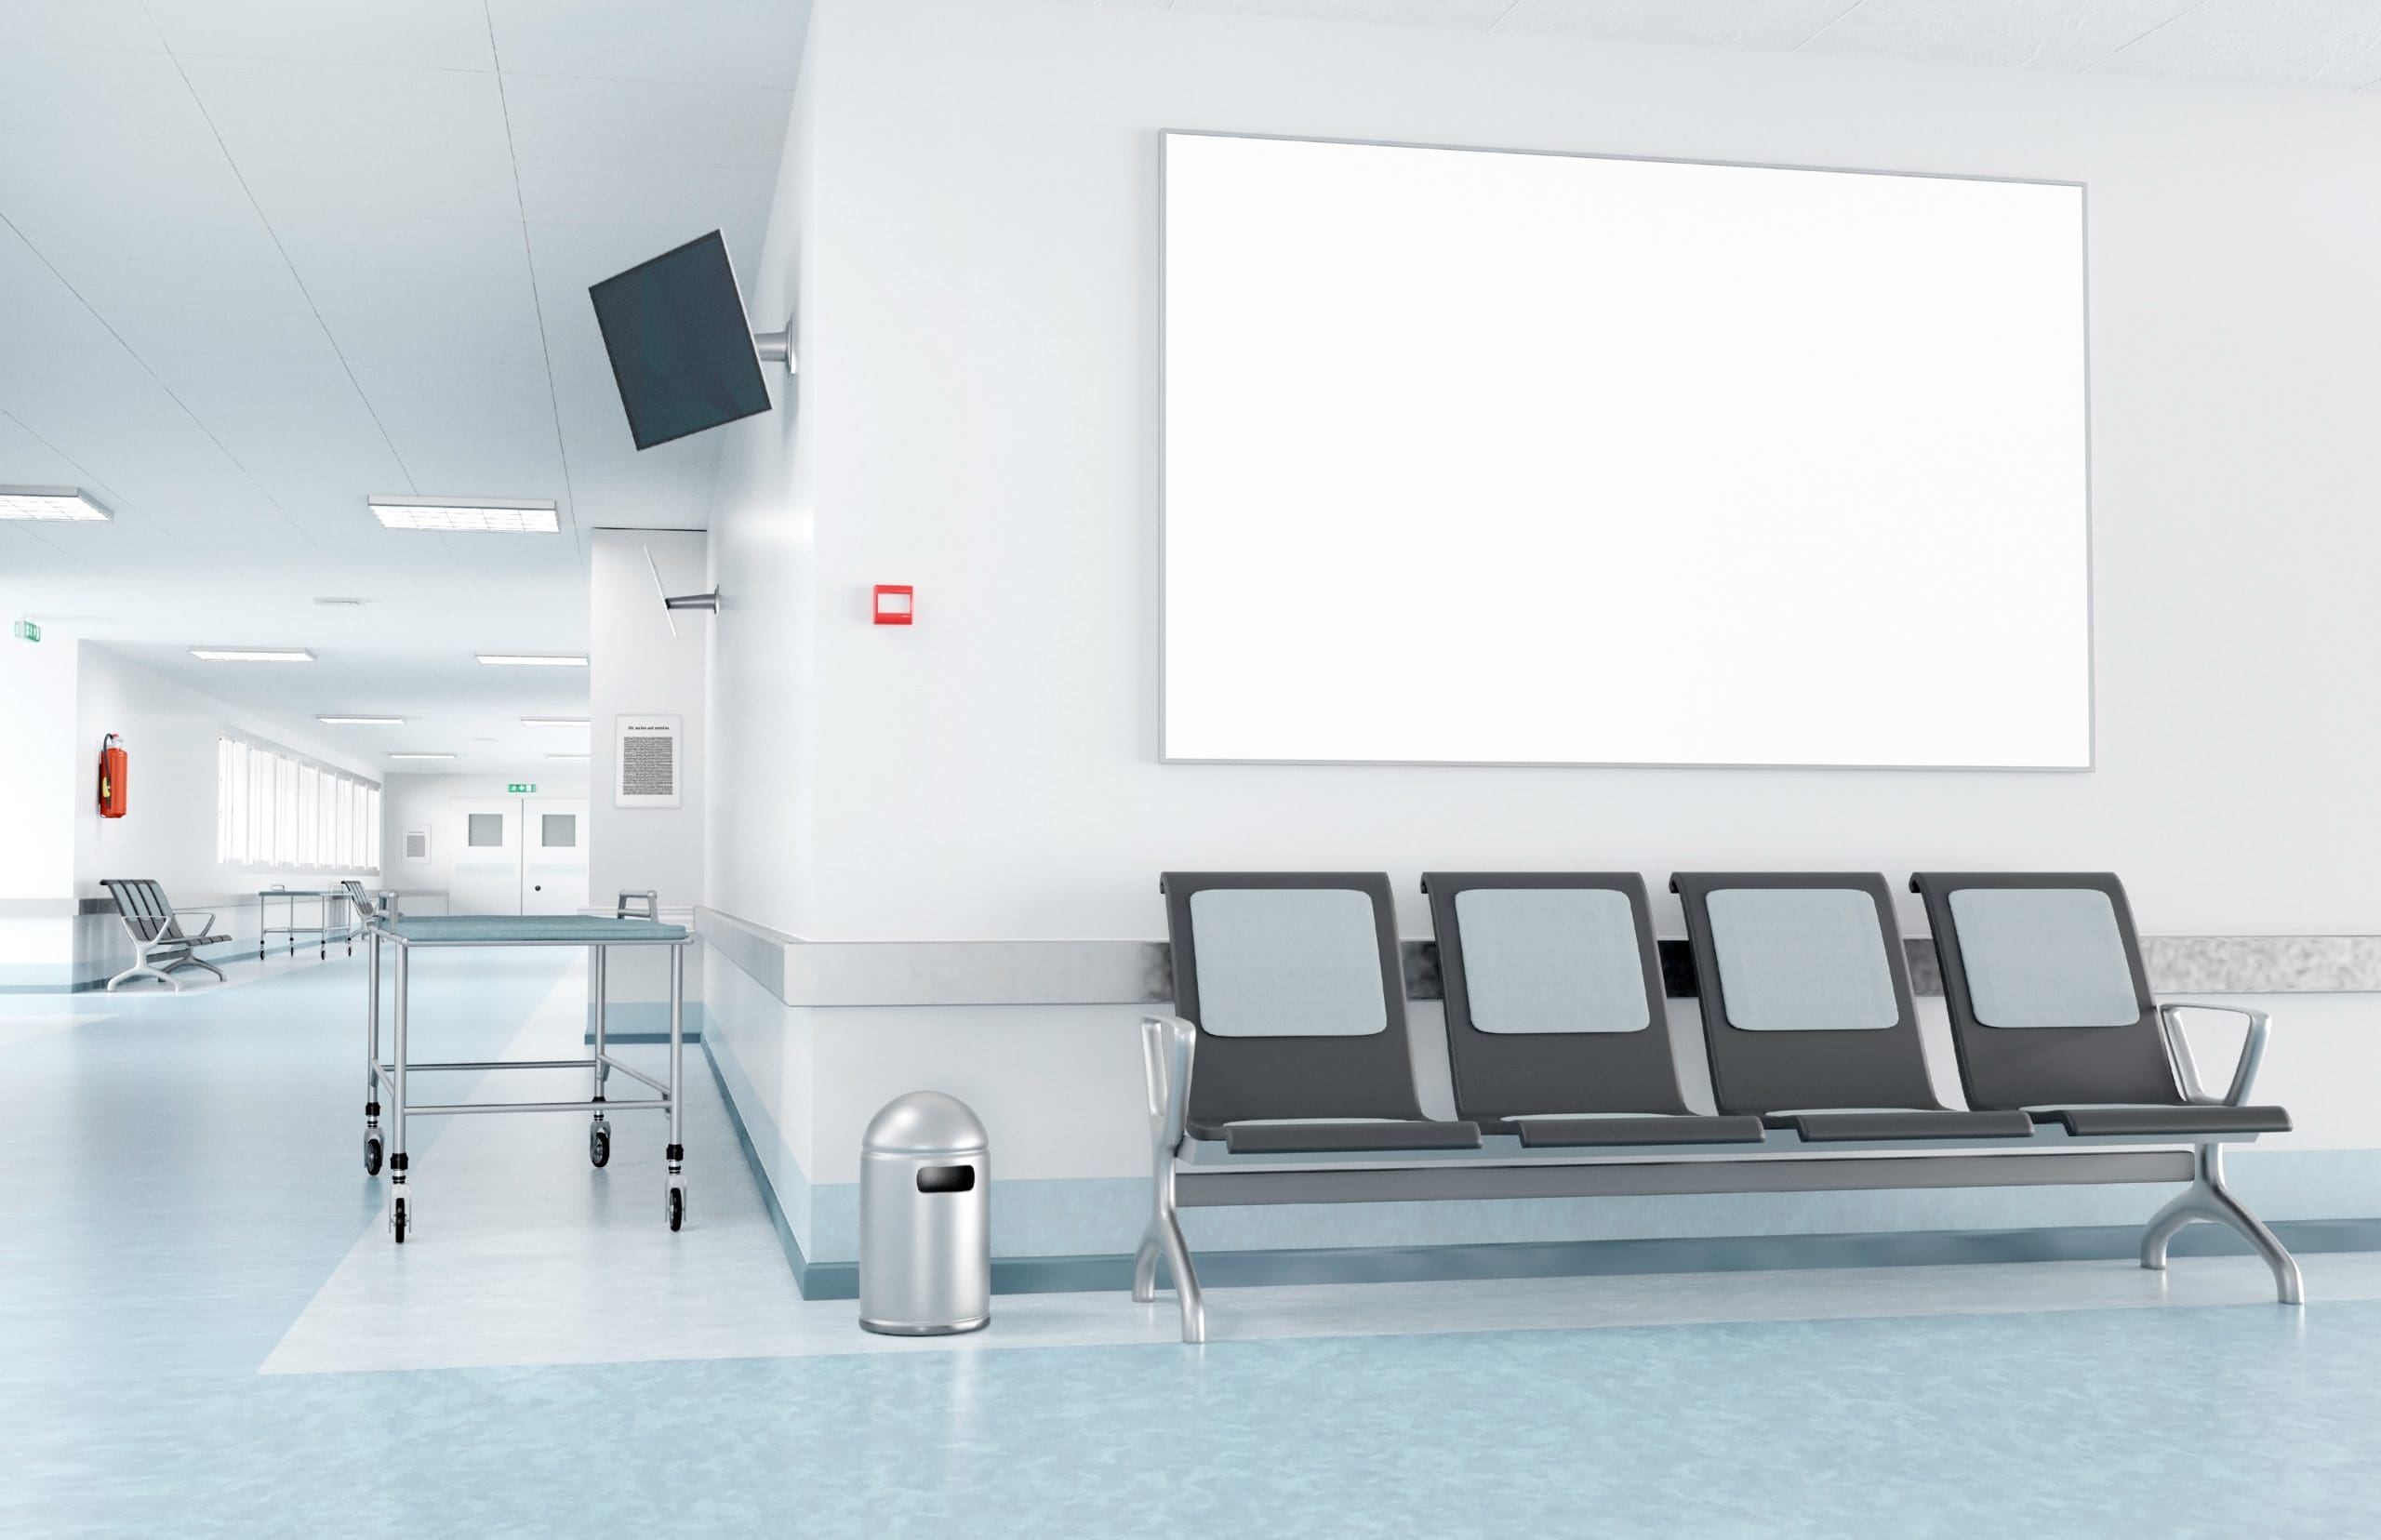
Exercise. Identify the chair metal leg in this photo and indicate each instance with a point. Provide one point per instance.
(1186, 1278)
(1167, 1045)
(1145, 1266)
(2207, 1198)
(139, 970)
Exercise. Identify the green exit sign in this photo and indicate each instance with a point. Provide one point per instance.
(28, 632)
(522, 786)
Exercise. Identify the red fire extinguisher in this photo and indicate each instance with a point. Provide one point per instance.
(114, 766)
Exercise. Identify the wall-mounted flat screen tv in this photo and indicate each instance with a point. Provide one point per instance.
(1495, 457)
(681, 349)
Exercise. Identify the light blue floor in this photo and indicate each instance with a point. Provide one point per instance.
(178, 1181)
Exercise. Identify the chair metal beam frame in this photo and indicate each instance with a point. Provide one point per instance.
(1169, 1045)
(2207, 1198)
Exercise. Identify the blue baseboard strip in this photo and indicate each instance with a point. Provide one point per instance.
(1614, 1258)
(793, 1248)
(1570, 1258)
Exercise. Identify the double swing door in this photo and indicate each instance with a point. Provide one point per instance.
(517, 854)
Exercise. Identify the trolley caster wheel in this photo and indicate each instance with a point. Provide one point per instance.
(677, 1208)
(599, 1144)
(398, 1220)
(371, 1154)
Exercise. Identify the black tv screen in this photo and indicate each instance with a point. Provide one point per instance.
(682, 352)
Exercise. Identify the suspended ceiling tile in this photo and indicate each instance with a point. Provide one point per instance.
(67, 230)
(2043, 33)
(194, 350)
(1737, 23)
(2334, 43)
(425, 247)
(506, 361)
(82, 24)
(158, 282)
(689, 198)
(96, 91)
(436, 34)
(718, 41)
(290, 179)
(158, 172)
(417, 414)
(497, 293)
(645, 122)
(359, 106)
(1475, 15)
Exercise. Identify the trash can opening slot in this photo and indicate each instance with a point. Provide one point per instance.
(956, 1178)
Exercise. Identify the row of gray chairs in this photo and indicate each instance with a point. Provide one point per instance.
(1554, 994)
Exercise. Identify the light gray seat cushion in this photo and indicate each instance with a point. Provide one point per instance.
(1552, 960)
(2044, 957)
(1801, 960)
(1287, 962)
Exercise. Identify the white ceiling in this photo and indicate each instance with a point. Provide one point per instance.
(260, 258)
(2323, 42)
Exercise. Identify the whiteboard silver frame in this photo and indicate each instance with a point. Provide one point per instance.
(2091, 618)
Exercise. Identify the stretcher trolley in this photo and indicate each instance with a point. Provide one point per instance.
(400, 936)
(333, 919)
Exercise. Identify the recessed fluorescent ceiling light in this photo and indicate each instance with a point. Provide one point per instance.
(467, 515)
(362, 721)
(420, 756)
(344, 604)
(252, 655)
(529, 660)
(567, 756)
(50, 504)
(553, 722)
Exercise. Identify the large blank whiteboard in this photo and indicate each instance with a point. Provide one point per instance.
(1495, 458)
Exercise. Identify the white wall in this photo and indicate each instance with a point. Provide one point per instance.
(420, 802)
(968, 212)
(636, 668)
(41, 774)
(760, 792)
(971, 195)
(167, 831)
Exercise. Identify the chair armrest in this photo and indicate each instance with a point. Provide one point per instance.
(1168, 1044)
(2253, 1051)
(204, 925)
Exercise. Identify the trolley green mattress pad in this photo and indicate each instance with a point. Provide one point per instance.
(499, 929)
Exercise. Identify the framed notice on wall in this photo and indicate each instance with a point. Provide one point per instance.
(645, 763)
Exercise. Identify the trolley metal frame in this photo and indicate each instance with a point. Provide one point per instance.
(383, 931)
(321, 930)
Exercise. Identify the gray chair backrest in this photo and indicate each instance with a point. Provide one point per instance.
(1553, 992)
(1294, 984)
(143, 904)
(2042, 979)
(1805, 991)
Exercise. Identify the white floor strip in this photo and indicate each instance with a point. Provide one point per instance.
(526, 1255)
(24, 1026)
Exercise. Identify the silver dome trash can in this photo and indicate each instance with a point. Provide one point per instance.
(925, 1234)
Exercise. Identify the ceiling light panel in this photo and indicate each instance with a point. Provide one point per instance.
(419, 756)
(530, 660)
(467, 515)
(553, 722)
(362, 721)
(252, 655)
(50, 505)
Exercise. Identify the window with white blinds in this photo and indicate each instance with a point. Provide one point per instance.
(274, 809)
